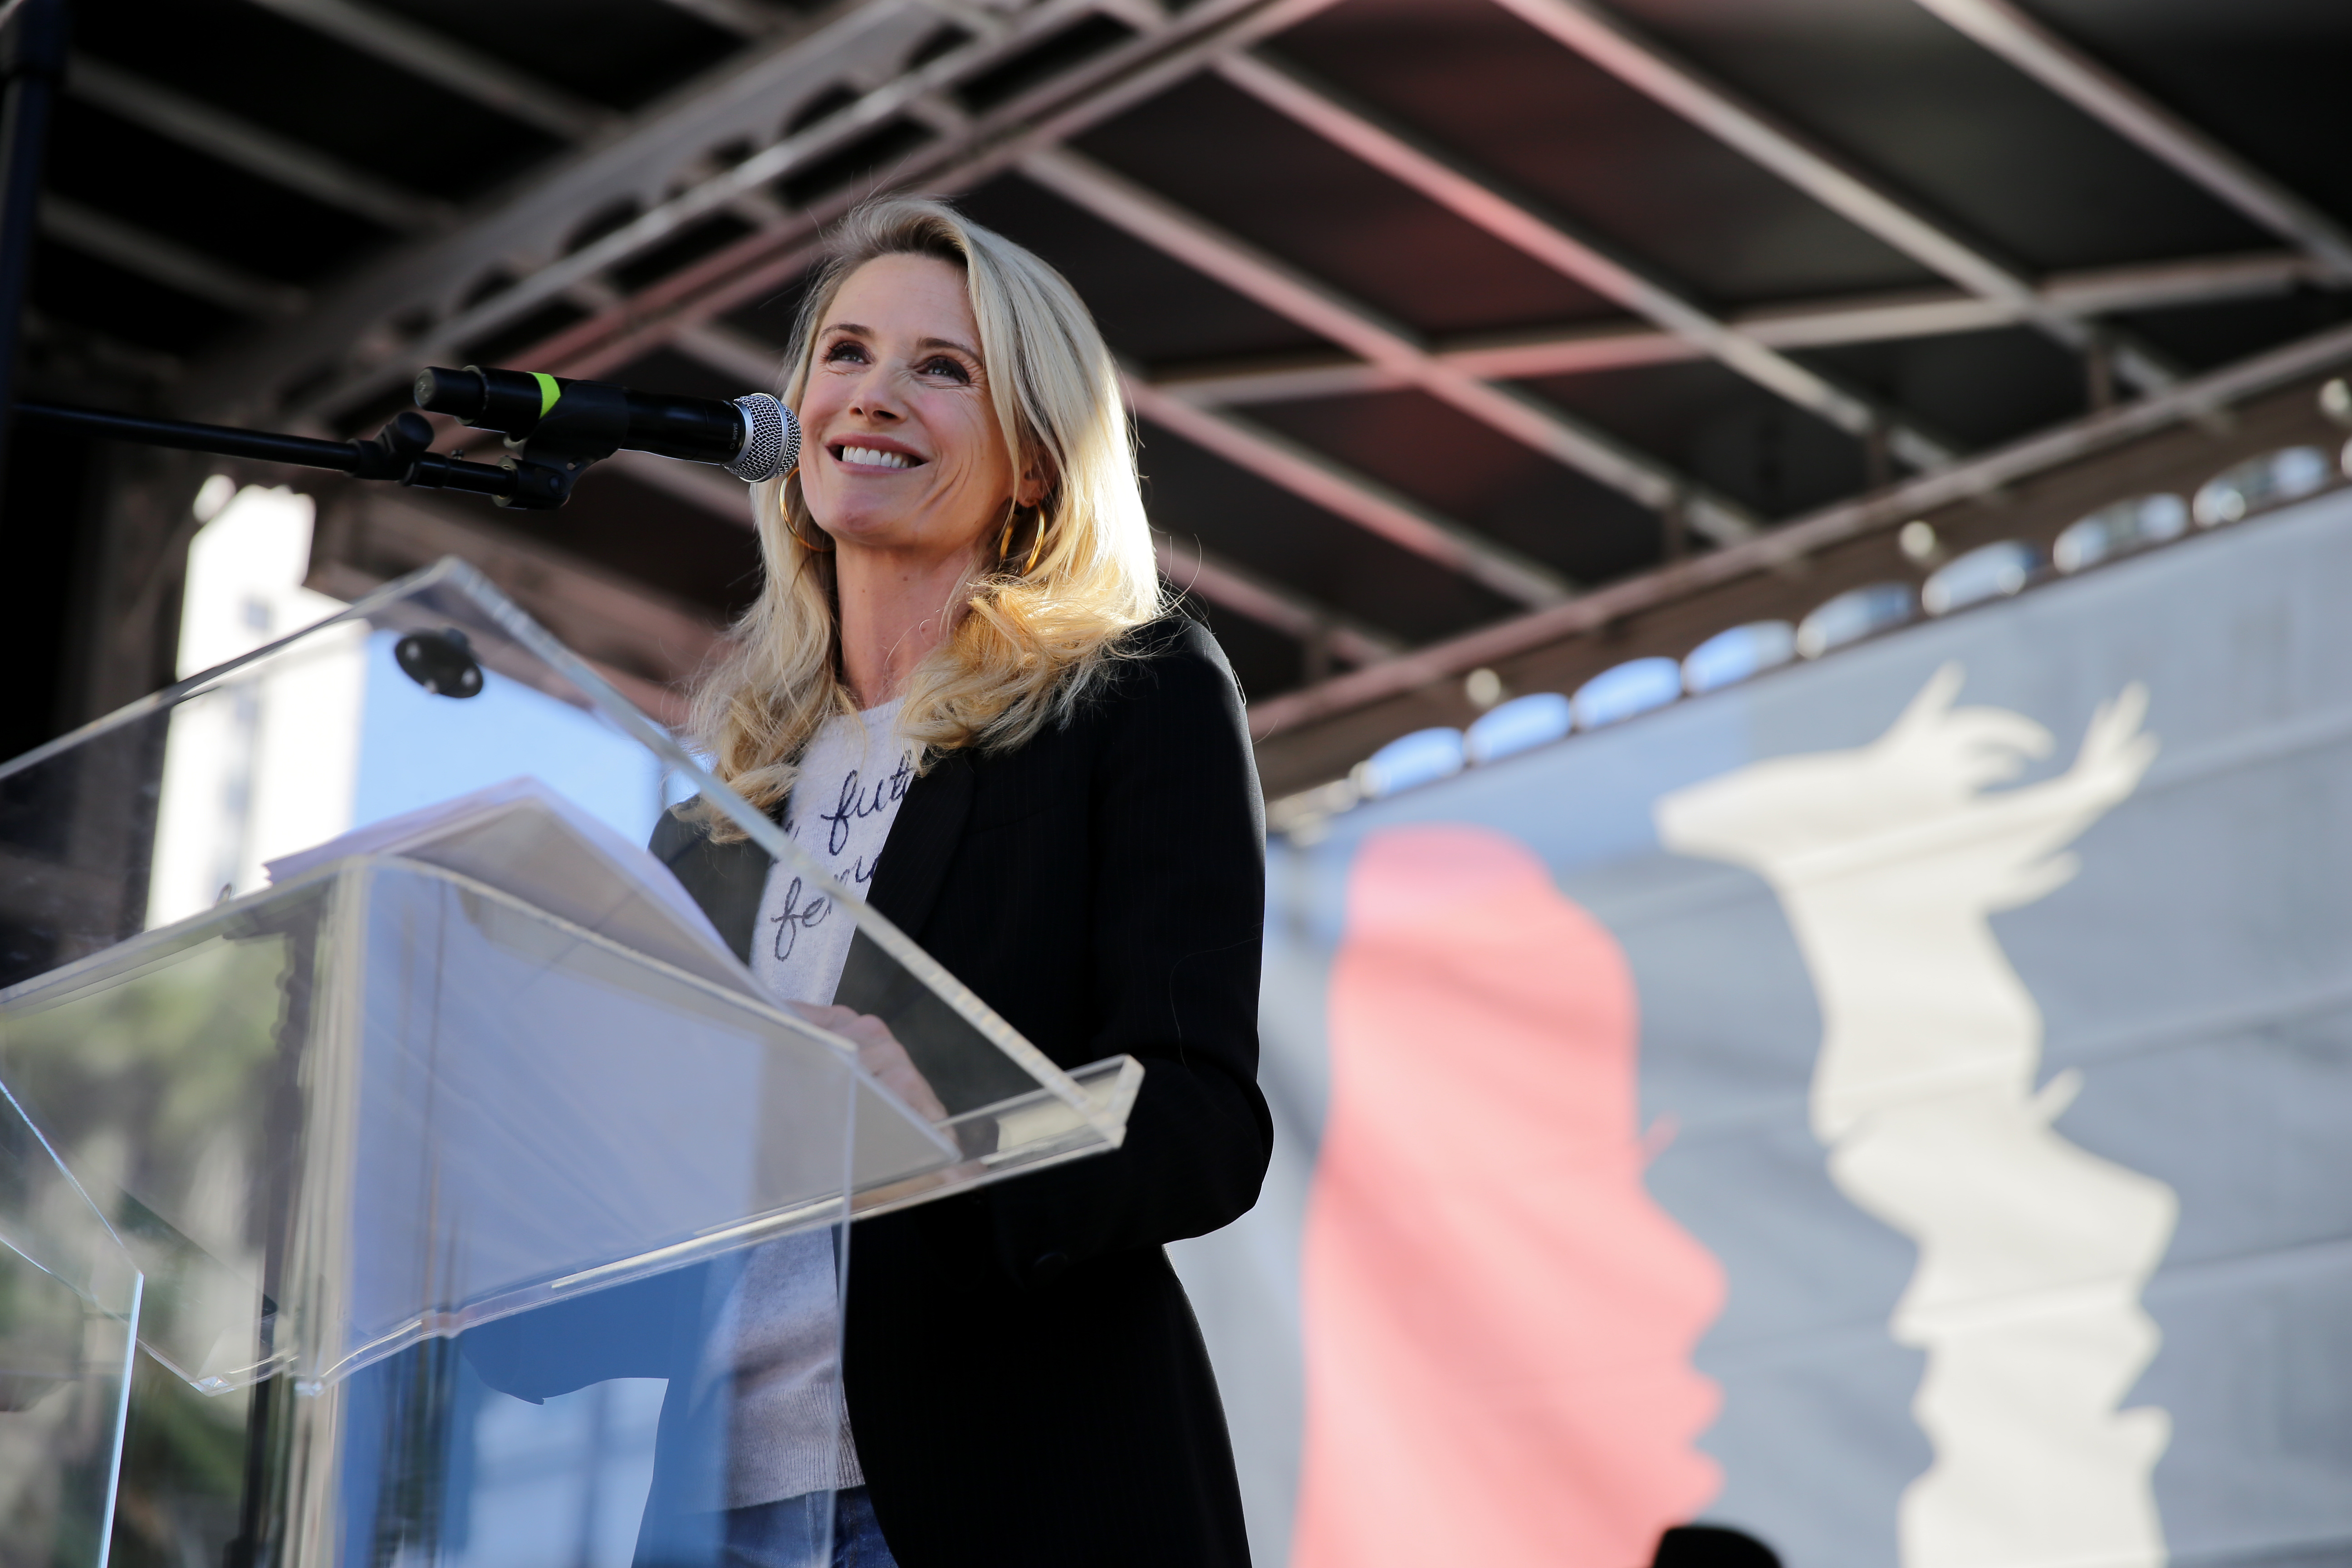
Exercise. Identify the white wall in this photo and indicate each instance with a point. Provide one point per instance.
(267, 761)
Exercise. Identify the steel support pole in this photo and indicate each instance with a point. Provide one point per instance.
(36, 56)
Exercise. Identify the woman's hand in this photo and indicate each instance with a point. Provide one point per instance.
(879, 1053)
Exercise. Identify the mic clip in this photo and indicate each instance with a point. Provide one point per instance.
(401, 452)
(586, 426)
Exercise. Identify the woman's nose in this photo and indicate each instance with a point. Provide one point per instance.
(871, 399)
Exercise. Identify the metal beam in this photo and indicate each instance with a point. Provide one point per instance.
(731, 186)
(1764, 137)
(1984, 474)
(338, 348)
(1356, 326)
(166, 261)
(2099, 92)
(2192, 280)
(743, 18)
(1360, 500)
(250, 147)
(423, 52)
(664, 160)
(748, 360)
(1530, 356)
(978, 150)
(1192, 569)
(1585, 258)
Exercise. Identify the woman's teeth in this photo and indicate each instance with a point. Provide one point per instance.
(873, 456)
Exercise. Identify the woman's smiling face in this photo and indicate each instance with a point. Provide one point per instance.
(904, 448)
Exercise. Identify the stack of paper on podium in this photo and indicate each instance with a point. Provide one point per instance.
(454, 1063)
(524, 839)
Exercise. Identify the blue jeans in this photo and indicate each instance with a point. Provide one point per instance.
(787, 1533)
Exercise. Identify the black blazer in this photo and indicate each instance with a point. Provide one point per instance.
(1025, 1380)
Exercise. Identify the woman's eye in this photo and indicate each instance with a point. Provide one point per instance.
(843, 352)
(952, 369)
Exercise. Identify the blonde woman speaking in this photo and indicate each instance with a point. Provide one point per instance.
(959, 690)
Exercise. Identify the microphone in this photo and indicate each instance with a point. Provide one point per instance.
(754, 438)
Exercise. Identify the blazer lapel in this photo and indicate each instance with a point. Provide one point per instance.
(726, 880)
(922, 841)
(906, 886)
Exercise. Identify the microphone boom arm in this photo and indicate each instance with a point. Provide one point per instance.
(401, 453)
(554, 429)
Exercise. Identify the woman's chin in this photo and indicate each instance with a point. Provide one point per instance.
(863, 530)
(894, 532)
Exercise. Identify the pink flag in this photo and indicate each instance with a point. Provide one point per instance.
(1498, 1318)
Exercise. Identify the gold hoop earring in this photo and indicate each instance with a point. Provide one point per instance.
(1005, 538)
(803, 540)
(1036, 541)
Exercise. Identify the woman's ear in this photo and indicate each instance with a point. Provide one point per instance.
(1037, 478)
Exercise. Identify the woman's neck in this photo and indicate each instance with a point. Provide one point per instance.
(896, 607)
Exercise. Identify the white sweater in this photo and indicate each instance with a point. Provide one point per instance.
(779, 1334)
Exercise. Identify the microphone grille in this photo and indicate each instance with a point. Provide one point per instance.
(772, 441)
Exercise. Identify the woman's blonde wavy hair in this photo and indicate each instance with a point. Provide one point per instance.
(1045, 619)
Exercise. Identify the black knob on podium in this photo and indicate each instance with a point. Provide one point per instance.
(442, 662)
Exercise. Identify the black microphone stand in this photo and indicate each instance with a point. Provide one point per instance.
(401, 453)
(33, 35)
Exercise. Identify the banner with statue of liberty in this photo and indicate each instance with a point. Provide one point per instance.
(1893, 1107)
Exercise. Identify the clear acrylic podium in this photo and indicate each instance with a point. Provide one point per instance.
(416, 1122)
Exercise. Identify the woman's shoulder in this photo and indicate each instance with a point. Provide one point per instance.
(1164, 683)
(1174, 647)
(1172, 662)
